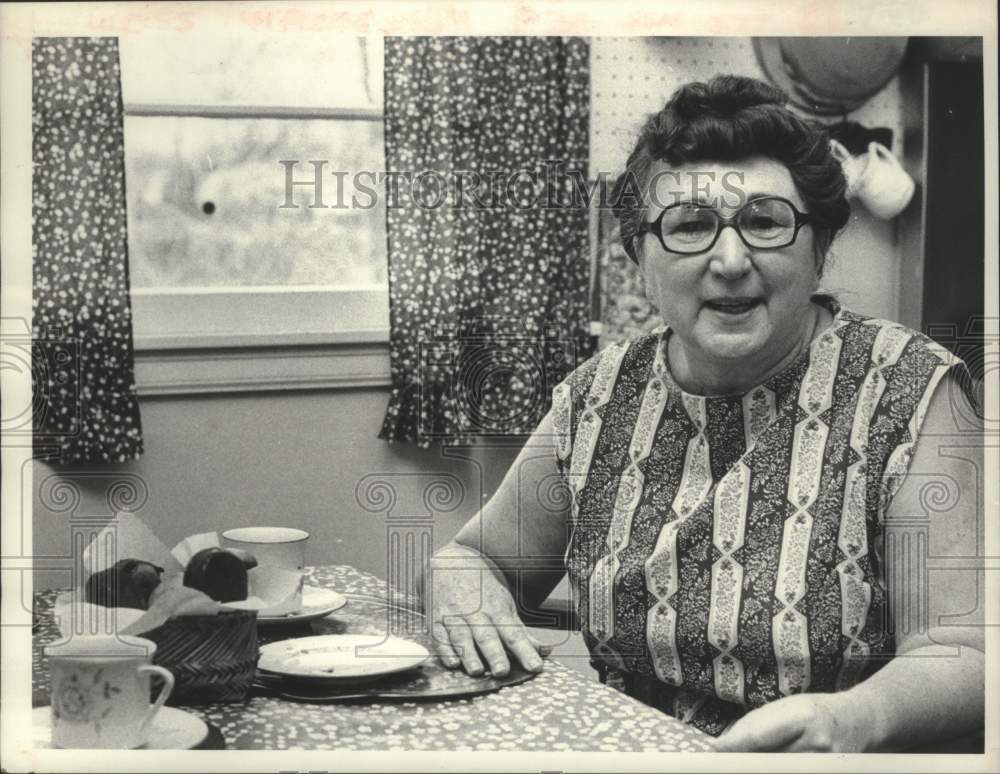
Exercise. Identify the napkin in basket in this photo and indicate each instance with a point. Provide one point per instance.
(127, 536)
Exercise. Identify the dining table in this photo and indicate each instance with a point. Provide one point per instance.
(558, 709)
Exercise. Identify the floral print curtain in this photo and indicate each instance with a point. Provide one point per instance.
(489, 262)
(82, 360)
(626, 310)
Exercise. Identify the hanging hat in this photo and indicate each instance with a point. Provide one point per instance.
(830, 76)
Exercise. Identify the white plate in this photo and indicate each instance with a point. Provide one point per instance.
(316, 603)
(341, 658)
(172, 729)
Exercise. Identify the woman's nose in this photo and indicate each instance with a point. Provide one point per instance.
(730, 257)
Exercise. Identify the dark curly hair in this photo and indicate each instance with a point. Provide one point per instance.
(732, 118)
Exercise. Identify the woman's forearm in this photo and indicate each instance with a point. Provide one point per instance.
(927, 695)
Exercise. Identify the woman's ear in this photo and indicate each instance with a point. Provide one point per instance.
(819, 265)
(632, 246)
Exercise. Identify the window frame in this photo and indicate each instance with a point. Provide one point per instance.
(241, 338)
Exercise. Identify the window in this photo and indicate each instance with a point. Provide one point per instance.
(223, 251)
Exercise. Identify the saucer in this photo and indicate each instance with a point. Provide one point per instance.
(171, 729)
(340, 658)
(316, 603)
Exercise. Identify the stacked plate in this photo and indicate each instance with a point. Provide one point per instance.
(368, 668)
(339, 659)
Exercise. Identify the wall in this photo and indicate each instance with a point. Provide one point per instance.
(296, 457)
(281, 458)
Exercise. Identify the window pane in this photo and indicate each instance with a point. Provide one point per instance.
(205, 196)
(289, 70)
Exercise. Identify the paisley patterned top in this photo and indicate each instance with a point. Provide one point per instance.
(726, 551)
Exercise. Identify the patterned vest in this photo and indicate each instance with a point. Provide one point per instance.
(727, 551)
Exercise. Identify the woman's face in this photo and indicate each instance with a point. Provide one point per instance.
(733, 304)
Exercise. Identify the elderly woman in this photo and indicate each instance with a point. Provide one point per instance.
(732, 477)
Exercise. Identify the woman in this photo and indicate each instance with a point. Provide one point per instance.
(732, 477)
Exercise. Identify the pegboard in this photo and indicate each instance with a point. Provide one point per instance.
(633, 77)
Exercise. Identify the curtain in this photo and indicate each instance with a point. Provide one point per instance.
(626, 310)
(82, 359)
(485, 141)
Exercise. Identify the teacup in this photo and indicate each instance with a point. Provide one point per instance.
(100, 687)
(273, 547)
(853, 167)
(883, 186)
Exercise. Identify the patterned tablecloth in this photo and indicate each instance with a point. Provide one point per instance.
(557, 710)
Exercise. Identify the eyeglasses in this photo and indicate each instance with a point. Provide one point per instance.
(688, 228)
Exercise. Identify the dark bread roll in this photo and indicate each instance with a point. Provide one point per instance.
(128, 583)
(219, 573)
(248, 559)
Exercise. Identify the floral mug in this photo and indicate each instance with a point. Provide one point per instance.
(100, 688)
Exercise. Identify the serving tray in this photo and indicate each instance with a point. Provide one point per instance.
(429, 682)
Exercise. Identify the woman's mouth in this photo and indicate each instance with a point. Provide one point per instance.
(733, 306)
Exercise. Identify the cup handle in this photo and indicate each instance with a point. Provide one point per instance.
(168, 687)
(839, 151)
(879, 149)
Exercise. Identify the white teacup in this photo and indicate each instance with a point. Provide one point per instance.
(883, 186)
(273, 547)
(100, 689)
(853, 167)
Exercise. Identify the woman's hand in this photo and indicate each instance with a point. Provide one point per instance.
(474, 617)
(807, 722)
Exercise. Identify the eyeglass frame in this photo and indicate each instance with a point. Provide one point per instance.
(655, 226)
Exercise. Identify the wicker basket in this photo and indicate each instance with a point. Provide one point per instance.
(213, 657)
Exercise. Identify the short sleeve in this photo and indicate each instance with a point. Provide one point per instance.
(918, 375)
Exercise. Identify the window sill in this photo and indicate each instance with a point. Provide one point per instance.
(211, 340)
(215, 341)
(220, 364)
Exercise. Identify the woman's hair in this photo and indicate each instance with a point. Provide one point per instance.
(732, 118)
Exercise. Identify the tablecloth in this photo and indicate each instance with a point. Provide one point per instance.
(559, 710)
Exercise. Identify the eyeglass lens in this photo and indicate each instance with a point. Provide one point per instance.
(762, 223)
